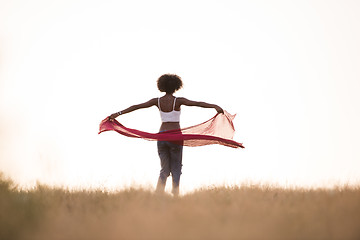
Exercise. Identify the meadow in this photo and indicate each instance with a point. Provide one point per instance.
(238, 212)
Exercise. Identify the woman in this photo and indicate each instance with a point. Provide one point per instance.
(170, 108)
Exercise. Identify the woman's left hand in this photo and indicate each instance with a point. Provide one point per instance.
(113, 116)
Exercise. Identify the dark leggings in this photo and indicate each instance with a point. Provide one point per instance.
(171, 162)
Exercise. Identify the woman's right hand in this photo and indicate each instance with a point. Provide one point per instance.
(219, 109)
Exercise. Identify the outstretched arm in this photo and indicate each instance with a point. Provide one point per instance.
(147, 104)
(187, 102)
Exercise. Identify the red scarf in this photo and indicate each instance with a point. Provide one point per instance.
(217, 130)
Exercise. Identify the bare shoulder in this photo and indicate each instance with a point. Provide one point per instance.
(153, 100)
(184, 101)
(149, 103)
(181, 101)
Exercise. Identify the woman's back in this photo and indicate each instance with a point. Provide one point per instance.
(169, 112)
(168, 103)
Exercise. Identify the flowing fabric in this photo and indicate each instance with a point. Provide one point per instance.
(217, 130)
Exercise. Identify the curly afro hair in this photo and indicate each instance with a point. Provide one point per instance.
(169, 83)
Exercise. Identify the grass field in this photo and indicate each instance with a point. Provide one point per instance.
(244, 212)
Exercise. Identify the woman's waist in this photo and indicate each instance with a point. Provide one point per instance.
(165, 126)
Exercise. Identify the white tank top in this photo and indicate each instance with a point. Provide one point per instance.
(173, 116)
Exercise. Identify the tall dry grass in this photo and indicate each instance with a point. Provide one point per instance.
(245, 212)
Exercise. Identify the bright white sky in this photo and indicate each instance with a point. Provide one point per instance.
(289, 69)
